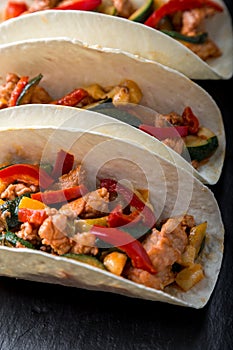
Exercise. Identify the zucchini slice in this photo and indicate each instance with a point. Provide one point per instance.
(117, 113)
(12, 238)
(196, 39)
(197, 237)
(141, 14)
(99, 104)
(87, 259)
(202, 145)
(28, 90)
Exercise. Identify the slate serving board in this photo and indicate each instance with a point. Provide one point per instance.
(38, 316)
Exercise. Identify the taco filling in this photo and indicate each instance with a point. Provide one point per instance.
(183, 20)
(180, 132)
(112, 227)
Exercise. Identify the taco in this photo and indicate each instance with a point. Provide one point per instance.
(83, 209)
(85, 66)
(209, 59)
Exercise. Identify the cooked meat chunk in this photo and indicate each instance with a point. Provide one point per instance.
(28, 233)
(7, 88)
(3, 217)
(13, 191)
(158, 281)
(36, 95)
(54, 233)
(124, 7)
(121, 96)
(84, 243)
(77, 206)
(39, 5)
(187, 221)
(39, 95)
(92, 205)
(164, 249)
(176, 143)
(206, 50)
(173, 118)
(73, 178)
(193, 20)
(191, 23)
(58, 232)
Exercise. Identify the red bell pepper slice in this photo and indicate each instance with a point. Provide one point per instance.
(63, 164)
(78, 5)
(17, 91)
(117, 218)
(123, 240)
(190, 120)
(14, 9)
(59, 196)
(165, 132)
(27, 173)
(173, 6)
(71, 99)
(115, 187)
(33, 216)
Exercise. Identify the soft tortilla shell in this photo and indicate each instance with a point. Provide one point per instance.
(113, 32)
(164, 90)
(173, 192)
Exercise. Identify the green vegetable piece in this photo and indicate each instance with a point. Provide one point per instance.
(141, 14)
(99, 104)
(202, 145)
(11, 206)
(28, 89)
(203, 150)
(197, 237)
(197, 39)
(12, 238)
(87, 259)
(117, 113)
(5, 166)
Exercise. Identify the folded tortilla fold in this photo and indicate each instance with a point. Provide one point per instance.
(164, 90)
(41, 131)
(114, 32)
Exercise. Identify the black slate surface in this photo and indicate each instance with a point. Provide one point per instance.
(35, 316)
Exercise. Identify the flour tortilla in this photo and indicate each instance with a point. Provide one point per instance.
(173, 191)
(108, 31)
(164, 90)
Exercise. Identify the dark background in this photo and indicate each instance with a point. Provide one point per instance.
(37, 316)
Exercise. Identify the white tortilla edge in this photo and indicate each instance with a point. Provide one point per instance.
(164, 89)
(89, 27)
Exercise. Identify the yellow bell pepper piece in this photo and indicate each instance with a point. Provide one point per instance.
(189, 276)
(115, 262)
(188, 256)
(85, 225)
(30, 203)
